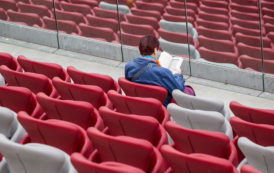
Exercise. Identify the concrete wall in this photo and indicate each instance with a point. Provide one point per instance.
(207, 70)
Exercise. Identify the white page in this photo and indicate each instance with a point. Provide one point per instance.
(175, 63)
(165, 59)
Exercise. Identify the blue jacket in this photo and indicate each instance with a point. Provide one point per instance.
(155, 75)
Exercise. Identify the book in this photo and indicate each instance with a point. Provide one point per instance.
(170, 62)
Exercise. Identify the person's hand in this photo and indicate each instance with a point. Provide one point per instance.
(177, 70)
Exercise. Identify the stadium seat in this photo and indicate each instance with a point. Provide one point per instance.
(200, 103)
(176, 37)
(212, 10)
(180, 12)
(179, 49)
(246, 9)
(259, 157)
(201, 141)
(103, 81)
(175, 18)
(36, 9)
(150, 6)
(181, 5)
(142, 127)
(103, 22)
(77, 112)
(66, 136)
(195, 163)
(121, 149)
(245, 16)
(142, 90)
(50, 70)
(269, 27)
(261, 134)
(213, 17)
(251, 63)
(246, 24)
(83, 165)
(251, 3)
(255, 52)
(269, 5)
(138, 29)
(249, 169)
(199, 119)
(252, 40)
(47, 3)
(3, 14)
(179, 27)
(8, 4)
(29, 19)
(143, 20)
(131, 39)
(137, 105)
(91, 3)
(253, 115)
(99, 12)
(212, 25)
(19, 99)
(9, 61)
(215, 4)
(36, 158)
(9, 126)
(146, 13)
(123, 2)
(163, 2)
(66, 26)
(253, 32)
(108, 6)
(91, 94)
(214, 34)
(219, 57)
(70, 16)
(35, 82)
(99, 33)
(271, 36)
(73, 7)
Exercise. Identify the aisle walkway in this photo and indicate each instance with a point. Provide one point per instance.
(114, 69)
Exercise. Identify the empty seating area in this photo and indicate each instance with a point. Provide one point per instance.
(227, 30)
(93, 123)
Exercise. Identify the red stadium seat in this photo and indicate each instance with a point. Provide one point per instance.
(103, 22)
(138, 29)
(252, 40)
(269, 5)
(268, 19)
(181, 5)
(143, 20)
(78, 112)
(146, 13)
(131, 39)
(268, 12)
(249, 169)
(212, 10)
(195, 163)
(150, 6)
(83, 165)
(80, 8)
(253, 115)
(245, 16)
(255, 51)
(176, 37)
(91, 94)
(136, 105)
(163, 2)
(29, 19)
(180, 12)
(201, 141)
(8, 4)
(19, 99)
(252, 3)
(239, 29)
(122, 148)
(57, 133)
(71, 16)
(66, 26)
(174, 18)
(3, 14)
(214, 34)
(269, 27)
(143, 127)
(91, 3)
(103, 81)
(9, 61)
(47, 3)
(215, 4)
(41, 10)
(100, 33)
(50, 70)
(213, 17)
(246, 9)
(216, 56)
(35, 82)
(213, 25)
(142, 90)
(247, 62)
(271, 36)
(123, 2)
(99, 12)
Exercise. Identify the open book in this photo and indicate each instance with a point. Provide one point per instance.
(168, 61)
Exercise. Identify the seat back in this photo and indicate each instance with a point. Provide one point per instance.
(249, 169)
(259, 157)
(142, 90)
(195, 163)
(120, 124)
(77, 112)
(99, 12)
(122, 148)
(144, 20)
(103, 81)
(261, 134)
(91, 94)
(71, 16)
(103, 22)
(198, 141)
(137, 105)
(9, 61)
(17, 99)
(57, 133)
(48, 69)
(253, 115)
(85, 166)
(108, 6)
(34, 157)
(8, 122)
(35, 82)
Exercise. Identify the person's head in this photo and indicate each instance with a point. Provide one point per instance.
(148, 45)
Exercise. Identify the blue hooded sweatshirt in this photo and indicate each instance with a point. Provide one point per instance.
(155, 75)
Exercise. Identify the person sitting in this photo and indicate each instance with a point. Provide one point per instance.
(146, 69)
